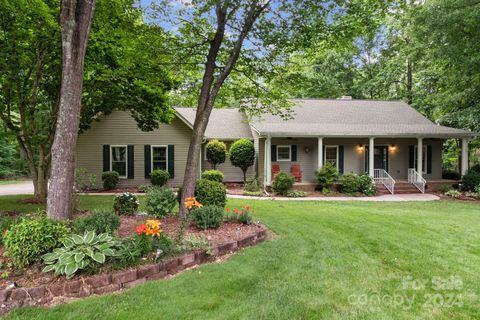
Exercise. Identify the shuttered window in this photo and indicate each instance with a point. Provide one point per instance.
(284, 153)
(159, 157)
(331, 155)
(118, 160)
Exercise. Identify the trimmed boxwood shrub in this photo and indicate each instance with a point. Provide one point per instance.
(98, 221)
(242, 155)
(211, 193)
(160, 201)
(208, 217)
(327, 175)
(110, 180)
(349, 183)
(470, 180)
(159, 177)
(216, 152)
(29, 239)
(213, 175)
(366, 185)
(282, 183)
(126, 203)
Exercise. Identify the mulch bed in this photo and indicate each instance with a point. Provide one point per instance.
(33, 276)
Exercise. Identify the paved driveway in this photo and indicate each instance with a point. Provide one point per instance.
(16, 188)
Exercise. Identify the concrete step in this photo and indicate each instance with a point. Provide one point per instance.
(400, 188)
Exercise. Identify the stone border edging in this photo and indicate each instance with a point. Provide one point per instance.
(118, 280)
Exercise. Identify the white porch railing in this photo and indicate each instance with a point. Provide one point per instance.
(416, 179)
(382, 176)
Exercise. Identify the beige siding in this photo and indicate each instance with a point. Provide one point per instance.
(119, 128)
(231, 173)
(354, 158)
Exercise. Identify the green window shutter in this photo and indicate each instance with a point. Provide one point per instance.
(429, 159)
(131, 164)
(294, 153)
(274, 152)
(106, 157)
(340, 159)
(411, 157)
(147, 160)
(171, 160)
(366, 160)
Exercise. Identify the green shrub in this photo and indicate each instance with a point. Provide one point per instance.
(444, 188)
(159, 177)
(143, 244)
(242, 155)
(5, 224)
(475, 168)
(128, 253)
(211, 193)
(80, 252)
(296, 194)
(470, 180)
(349, 183)
(216, 153)
(253, 193)
(366, 185)
(453, 193)
(110, 179)
(327, 175)
(98, 221)
(213, 175)
(208, 217)
(160, 201)
(252, 186)
(85, 181)
(282, 183)
(126, 203)
(27, 240)
(163, 245)
(451, 175)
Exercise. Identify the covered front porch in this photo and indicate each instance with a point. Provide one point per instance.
(389, 160)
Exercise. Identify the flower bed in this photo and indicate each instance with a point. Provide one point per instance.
(42, 289)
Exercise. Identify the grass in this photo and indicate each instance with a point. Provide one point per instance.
(329, 260)
(11, 181)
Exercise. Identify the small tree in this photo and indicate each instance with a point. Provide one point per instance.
(242, 155)
(216, 152)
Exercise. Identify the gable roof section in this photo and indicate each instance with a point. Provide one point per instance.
(354, 118)
(224, 124)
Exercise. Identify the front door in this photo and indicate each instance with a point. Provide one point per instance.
(380, 158)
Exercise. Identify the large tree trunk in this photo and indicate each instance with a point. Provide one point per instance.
(75, 20)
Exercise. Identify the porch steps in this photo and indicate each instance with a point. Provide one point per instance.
(400, 188)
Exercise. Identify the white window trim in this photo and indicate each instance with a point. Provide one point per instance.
(151, 155)
(126, 158)
(325, 154)
(289, 153)
(425, 158)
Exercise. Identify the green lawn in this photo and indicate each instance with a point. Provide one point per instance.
(11, 181)
(329, 260)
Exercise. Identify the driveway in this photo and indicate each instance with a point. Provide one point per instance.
(16, 188)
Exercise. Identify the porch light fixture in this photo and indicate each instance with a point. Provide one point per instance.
(360, 147)
(307, 149)
(393, 147)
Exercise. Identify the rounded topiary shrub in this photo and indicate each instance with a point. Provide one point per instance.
(470, 180)
(282, 183)
(211, 193)
(110, 179)
(349, 184)
(208, 217)
(213, 175)
(242, 155)
(126, 203)
(216, 152)
(29, 239)
(160, 201)
(98, 221)
(159, 177)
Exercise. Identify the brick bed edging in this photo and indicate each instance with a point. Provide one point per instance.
(118, 280)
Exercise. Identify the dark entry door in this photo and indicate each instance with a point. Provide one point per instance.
(380, 158)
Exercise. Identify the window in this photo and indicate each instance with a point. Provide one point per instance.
(159, 157)
(331, 155)
(424, 159)
(284, 153)
(118, 160)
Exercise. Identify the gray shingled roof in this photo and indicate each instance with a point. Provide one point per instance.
(224, 124)
(354, 118)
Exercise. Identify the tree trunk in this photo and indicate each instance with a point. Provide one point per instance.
(244, 176)
(75, 20)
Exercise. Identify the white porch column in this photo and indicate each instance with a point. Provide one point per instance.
(371, 156)
(464, 163)
(320, 153)
(420, 156)
(268, 160)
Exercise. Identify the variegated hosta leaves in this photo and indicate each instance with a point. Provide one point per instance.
(79, 252)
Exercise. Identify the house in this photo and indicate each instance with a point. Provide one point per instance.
(382, 138)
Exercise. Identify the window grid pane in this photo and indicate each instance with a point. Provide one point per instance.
(119, 160)
(331, 155)
(283, 153)
(159, 158)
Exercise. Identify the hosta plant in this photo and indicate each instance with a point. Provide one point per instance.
(80, 252)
